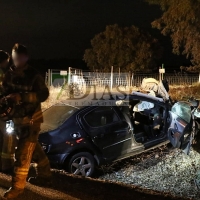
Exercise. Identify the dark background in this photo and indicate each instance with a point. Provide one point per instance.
(58, 31)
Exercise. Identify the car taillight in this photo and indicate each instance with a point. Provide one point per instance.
(79, 140)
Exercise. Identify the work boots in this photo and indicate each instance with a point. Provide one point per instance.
(41, 181)
(23, 158)
(42, 177)
(12, 193)
(42, 168)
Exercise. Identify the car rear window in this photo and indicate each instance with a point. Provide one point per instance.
(101, 116)
(56, 116)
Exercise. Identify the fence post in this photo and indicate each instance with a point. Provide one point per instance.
(159, 75)
(69, 75)
(49, 77)
(162, 75)
(132, 79)
(111, 78)
(199, 77)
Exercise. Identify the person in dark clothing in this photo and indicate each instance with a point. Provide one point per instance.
(7, 141)
(4, 61)
(25, 87)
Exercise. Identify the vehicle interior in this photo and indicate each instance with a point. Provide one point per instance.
(102, 115)
(148, 124)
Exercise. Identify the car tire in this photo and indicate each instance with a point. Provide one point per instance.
(82, 163)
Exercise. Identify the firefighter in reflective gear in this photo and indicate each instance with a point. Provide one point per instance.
(25, 86)
(7, 141)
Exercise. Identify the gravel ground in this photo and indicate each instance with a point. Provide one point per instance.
(163, 169)
(160, 173)
(70, 187)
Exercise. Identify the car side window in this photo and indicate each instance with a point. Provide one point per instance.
(101, 116)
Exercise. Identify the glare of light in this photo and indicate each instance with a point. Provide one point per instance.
(9, 129)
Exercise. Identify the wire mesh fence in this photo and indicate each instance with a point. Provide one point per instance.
(173, 79)
(119, 79)
(127, 79)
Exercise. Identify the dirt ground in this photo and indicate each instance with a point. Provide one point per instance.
(69, 187)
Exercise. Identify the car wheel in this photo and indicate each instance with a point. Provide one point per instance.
(82, 164)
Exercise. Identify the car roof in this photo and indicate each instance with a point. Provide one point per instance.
(105, 102)
(143, 96)
(66, 104)
(133, 96)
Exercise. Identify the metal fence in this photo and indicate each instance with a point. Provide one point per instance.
(116, 79)
(173, 79)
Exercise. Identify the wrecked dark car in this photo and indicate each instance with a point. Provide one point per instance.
(77, 139)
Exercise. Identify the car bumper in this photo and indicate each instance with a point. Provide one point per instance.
(58, 159)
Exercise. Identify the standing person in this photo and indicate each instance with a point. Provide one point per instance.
(7, 141)
(26, 87)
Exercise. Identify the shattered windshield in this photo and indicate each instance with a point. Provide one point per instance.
(183, 110)
(55, 116)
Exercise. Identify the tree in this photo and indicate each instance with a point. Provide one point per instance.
(181, 20)
(128, 48)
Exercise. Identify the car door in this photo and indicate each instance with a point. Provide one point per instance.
(107, 130)
(152, 117)
(180, 132)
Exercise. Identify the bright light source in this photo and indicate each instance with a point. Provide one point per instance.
(9, 130)
(9, 127)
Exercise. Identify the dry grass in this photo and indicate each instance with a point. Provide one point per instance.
(58, 95)
(176, 92)
(184, 92)
(54, 91)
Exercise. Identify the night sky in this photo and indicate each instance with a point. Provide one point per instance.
(63, 28)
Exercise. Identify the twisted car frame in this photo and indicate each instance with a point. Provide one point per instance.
(77, 139)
